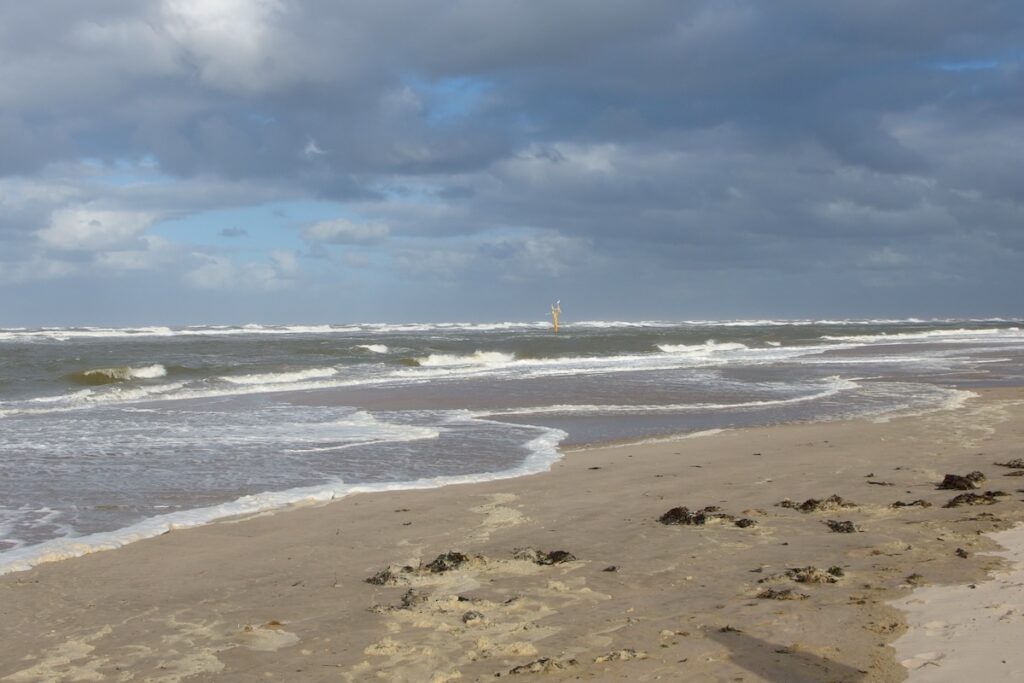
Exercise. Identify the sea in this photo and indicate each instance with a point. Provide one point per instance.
(109, 435)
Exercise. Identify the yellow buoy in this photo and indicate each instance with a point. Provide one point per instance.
(556, 309)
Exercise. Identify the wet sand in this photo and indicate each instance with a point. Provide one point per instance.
(284, 597)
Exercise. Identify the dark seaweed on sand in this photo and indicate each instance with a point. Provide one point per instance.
(683, 515)
(833, 502)
(543, 558)
(1016, 464)
(987, 498)
(966, 482)
(913, 503)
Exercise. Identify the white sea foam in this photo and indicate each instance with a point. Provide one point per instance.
(497, 364)
(365, 423)
(374, 348)
(672, 438)
(835, 386)
(154, 371)
(487, 358)
(707, 348)
(948, 399)
(504, 365)
(79, 396)
(72, 333)
(280, 377)
(69, 333)
(543, 452)
(1002, 334)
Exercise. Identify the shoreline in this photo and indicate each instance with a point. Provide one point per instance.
(295, 581)
(263, 503)
(541, 459)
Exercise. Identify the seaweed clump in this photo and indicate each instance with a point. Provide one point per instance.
(830, 504)
(987, 498)
(914, 503)
(781, 594)
(445, 562)
(814, 575)
(965, 482)
(1015, 464)
(685, 516)
(543, 558)
(543, 665)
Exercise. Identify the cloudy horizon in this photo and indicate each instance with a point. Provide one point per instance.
(276, 161)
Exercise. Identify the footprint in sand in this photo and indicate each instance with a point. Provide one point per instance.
(187, 648)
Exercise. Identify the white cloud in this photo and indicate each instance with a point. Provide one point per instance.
(285, 261)
(232, 42)
(88, 229)
(221, 273)
(344, 231)
(312, 150)
(157, 252)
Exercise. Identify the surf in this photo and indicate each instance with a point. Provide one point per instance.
(100, 376)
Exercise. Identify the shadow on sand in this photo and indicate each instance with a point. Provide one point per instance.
(774, 662)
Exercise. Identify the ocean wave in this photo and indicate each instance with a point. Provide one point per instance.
(835, 386)
(89, 397)
(707, 348)
(486, 358)
(927, 335)
(280, 377)
(498, 364)
(69, 333)
(72, 333)
(373, 348)
(542, 453)
(503, 364)
(122, 374)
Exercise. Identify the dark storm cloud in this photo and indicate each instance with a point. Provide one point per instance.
(840, 141)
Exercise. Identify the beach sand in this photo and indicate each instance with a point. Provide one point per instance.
(284, 597)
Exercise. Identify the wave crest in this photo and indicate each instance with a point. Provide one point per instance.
(281, 377)
(374, 348)
(928, 335)
(99, 376)
(708, 347)
(485, 358)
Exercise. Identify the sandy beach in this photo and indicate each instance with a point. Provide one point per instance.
(566, 575)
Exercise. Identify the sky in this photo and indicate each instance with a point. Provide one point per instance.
(283, 161)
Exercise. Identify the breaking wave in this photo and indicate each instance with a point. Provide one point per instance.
(542, 452)
(281, 377)
(374, 348)
(64, 334)
(485, 358)
(708, 347)
(927, 335)
(122, 374)
(835, 386)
